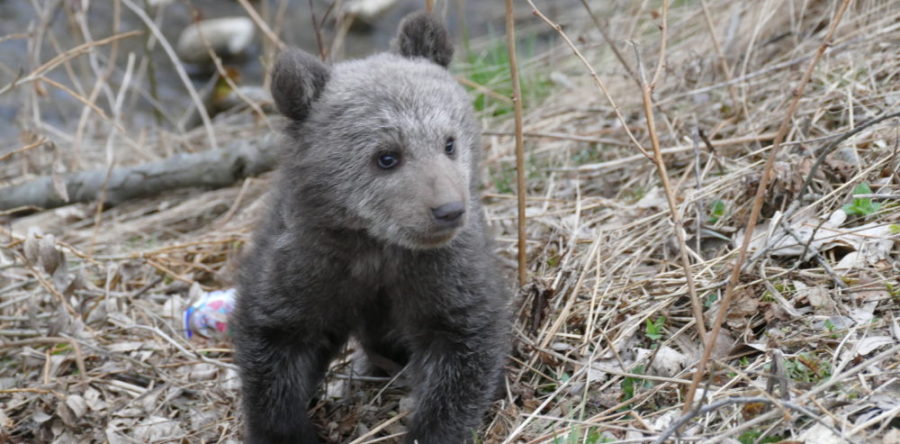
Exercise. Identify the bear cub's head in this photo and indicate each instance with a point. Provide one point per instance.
(387, 144)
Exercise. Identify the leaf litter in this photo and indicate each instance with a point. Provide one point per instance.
(91, 301)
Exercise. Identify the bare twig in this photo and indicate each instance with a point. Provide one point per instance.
(64, 57)
(251, 11)
(723, 62)
(39, 142)
(198, 102)
(677, 224)
(317, 30)
(594, 76)
(757, 206)
(750, 400)
(521, 191)
(609, 41)
(663, 29)
(79, 356)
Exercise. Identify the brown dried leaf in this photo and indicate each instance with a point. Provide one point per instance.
(742, 309)
(32, 249)
(49, 257)
(59, 183)
(818, 297)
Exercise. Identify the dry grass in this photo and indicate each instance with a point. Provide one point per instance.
(92, 347)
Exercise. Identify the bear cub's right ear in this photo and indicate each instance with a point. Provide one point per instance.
(297, 81)
(422, 35)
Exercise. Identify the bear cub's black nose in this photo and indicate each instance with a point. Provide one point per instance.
(449, 214)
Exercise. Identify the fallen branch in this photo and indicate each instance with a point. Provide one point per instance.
(213, 168)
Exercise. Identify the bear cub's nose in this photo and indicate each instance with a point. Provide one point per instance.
(449, 214)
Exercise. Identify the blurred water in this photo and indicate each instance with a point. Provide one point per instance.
(465, 19)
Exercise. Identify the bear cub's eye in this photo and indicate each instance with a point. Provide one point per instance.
(387, 161)
(450, 147)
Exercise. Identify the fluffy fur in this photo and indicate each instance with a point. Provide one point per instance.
(350, 248)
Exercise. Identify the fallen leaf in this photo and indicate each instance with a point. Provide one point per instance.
(77, 404)
(872, 343)
(668, 361)
(820, 434)
(157, 428)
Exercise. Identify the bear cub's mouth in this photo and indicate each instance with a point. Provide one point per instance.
(438, 234)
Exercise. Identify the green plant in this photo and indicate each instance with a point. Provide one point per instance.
(653, 329)
(576, 436)
(631, 383)
(807, 367)
(489, 69)
(504, 179)
(716, 211)
(861, 206)
(894, 228)
(752, 437)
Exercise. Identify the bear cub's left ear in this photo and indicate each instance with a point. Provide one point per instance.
(297, 81)
(422, 35)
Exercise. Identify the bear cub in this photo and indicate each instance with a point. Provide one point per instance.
(375, 231)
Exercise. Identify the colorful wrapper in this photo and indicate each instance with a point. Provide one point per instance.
(208, 315)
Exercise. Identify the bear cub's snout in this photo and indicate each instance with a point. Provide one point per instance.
(449, 215)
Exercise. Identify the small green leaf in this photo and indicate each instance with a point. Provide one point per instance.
(861, 206)
(862, 188)
(630, 383)
(654, 329)
(894, 228)
(716, 211)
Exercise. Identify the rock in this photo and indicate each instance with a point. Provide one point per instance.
(227, 36)
(367, 10)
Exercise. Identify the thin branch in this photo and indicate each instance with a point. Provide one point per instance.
(749, 400)
(261, 24)
(79, 356)
(663, 28)
(594, 76)
(677, 224)
(520, 139)
(317, 30)
(609, 41)
(723, 62)
(207, 123)
(831, 147)
(757, 207)
(62, 58)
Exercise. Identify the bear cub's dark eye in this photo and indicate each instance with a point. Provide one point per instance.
(387, 161)
(450, 147)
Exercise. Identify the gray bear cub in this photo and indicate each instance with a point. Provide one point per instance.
(376, 232)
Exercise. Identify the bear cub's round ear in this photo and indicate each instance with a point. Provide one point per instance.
(422, 35)
(297, 81)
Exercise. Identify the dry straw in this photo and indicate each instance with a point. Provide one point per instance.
(640, 185)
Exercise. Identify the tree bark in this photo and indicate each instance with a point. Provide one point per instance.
(212, 169)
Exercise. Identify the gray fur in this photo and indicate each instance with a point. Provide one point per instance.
(421, 35)
(297, 80)
(349, 248)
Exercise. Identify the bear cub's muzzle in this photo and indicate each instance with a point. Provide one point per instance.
(449, 215)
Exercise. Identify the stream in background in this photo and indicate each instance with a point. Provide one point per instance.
(479, 19)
